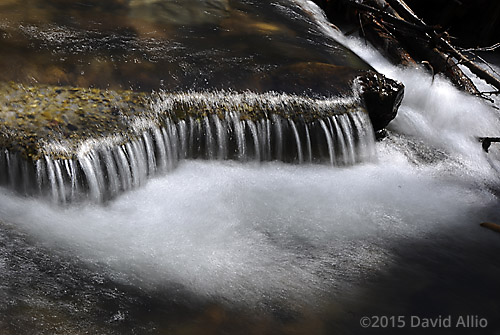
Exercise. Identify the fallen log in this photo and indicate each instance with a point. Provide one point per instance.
(403, 37)
(380, 36)
(473, 67)
(444, 44)
(381, 9)
(405, 11)
(472, 22)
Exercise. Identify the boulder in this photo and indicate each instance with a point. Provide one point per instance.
(125, 89)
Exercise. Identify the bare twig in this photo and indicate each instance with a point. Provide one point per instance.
(404, 10)
(491, 226)
(473, 67)
(485, 63)
(393, 23)
(362, 26)
(490, 48)
(391, 17)
(488, 93)
(429, 66)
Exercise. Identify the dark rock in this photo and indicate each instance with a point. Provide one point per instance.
(382, 97)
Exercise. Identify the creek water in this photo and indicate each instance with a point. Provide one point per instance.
(268, 247)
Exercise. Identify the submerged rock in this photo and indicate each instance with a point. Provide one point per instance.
(55, 114)
(185, 12)
(148, 45)
(74, 142)
(33, 119)
(124, 89)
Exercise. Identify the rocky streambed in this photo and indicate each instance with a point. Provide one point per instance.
(89, 106)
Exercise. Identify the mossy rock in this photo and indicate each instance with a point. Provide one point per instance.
(33, 116)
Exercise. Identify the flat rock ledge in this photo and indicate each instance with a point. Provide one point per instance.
(36, 121)
(69, 141)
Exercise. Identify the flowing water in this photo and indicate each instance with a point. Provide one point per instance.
(282, 129)
(262, 246)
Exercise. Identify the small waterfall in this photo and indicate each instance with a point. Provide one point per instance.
(243, 127)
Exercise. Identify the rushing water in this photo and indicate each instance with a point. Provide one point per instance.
(248, 247)
(107, 171)
(281, 128)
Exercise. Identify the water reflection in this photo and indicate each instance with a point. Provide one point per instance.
(175, 45)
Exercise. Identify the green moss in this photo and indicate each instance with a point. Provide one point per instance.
(31, 116)
(34, 117)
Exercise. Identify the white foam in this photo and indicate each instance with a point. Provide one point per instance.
(254, 233)
(249, 234)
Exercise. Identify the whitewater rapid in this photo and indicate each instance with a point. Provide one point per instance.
(257, 232)
(253, 234)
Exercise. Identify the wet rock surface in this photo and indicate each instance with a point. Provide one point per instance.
(382, 97)
(57, 120)
(34, 116)
(152, 45)
(222, 79)
(70, 142)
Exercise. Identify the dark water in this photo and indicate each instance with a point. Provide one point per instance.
(283, 264)
(175, 45)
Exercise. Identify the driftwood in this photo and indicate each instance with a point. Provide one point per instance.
(405, 39)
(491, 225)
(473, 67)
(379, 35)
(445, 45)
